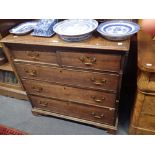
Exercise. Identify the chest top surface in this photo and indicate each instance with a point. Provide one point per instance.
(95, 42)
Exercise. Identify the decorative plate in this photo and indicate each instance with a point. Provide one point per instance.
(75, 27)
(118, 29)
(23, 28)
(44, 28)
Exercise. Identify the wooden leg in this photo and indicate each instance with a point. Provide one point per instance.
(111, 131)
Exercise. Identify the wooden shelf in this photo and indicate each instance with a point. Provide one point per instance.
(12, 92)
(8, 89)
(6, 67)
(9, 85)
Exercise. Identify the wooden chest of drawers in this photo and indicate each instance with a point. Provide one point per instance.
(77, 81)
(143, 115)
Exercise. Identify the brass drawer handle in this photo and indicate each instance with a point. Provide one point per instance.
(31, 72)
(37, 89)
(43, 104)
(87, 60)
(99, 100)
(33, 55)
(98, 82)
(97, 116)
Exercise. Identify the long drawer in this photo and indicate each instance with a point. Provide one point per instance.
(70, 93)
(35, 54)
(91, 60)
(81, 111)
(83, 79)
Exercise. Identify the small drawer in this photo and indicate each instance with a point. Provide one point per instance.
(70, 93)
(91, 61)
(149, 105)
(147, 122)
(75, 110)
(83, 79)
(146, 82)
(35, 54)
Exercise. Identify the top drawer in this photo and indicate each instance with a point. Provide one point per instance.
(35, 54)
(91, 60)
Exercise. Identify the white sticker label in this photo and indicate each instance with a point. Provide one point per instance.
(149, 65)
(119, 44)
(55, 41)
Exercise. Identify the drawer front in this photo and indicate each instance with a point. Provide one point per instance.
(144, 132)
(83, 79)
(70, 93)
(147, 122)
(146, 82)
(81, 111)
(38, 54)
(93, 61)
(149, 105)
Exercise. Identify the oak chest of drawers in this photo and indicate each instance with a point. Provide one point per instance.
(76, 81)
(143, 115)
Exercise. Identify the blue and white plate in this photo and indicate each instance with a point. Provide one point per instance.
(44, 28)
(118, 29)
(23, 28)
(71, 29)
